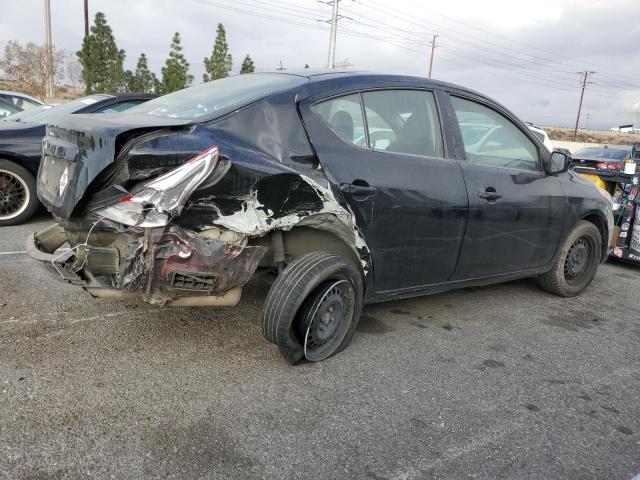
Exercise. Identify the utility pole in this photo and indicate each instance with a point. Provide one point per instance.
(86, 18)
(586, 127)
(332, 38)
(586, 74)
(281, 67)
(50, 90)
(433, 50)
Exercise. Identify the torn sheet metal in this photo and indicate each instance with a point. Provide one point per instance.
(258, 214)
(160, 265)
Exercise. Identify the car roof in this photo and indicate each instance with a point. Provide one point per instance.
(321, 76)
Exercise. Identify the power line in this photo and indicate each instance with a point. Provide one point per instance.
(396, 41)
(546, 66)
(411, 19)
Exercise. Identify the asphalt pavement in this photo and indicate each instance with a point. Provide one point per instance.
(496, 382)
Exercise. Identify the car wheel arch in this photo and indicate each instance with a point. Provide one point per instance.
(18, 160)
(322, 235)
(600, 222)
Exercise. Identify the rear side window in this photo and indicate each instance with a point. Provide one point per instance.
(397, 121)
(344, 116)
(403, 121)
(120, 107)
(492, 139)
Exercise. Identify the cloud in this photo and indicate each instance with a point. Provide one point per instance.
(525, 56)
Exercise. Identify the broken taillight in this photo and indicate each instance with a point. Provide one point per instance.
(609, 166)
(162, 198)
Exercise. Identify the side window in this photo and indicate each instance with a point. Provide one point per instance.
(5, 110)
(344, 116)
(120, 107)
(491, 139)
(404, 121)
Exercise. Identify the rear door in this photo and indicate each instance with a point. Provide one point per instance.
(516, 210)
(385, 152)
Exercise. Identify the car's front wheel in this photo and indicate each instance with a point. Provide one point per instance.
(313, 307)
(18, 200)
(576, 263)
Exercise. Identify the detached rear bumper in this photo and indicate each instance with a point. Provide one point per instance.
(42, 247)
(157, 265)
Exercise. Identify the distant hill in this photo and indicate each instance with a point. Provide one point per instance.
(592, 136)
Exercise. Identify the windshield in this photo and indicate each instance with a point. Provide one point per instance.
(216, 98)
(601, 153)
(42, 115)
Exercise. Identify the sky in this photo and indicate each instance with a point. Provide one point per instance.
(525, 55)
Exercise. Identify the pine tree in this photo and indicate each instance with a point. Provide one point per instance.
(175, 73)
(247, 65)
(102, 62)
(220, 62)
(143, 80)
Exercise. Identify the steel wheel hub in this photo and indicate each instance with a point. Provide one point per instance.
(326, 320)
(575, 265)
(330, 313)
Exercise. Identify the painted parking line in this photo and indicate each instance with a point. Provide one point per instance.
(17, 252)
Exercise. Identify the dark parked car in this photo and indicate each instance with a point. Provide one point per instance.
(21, 148)
(351, 187)
(601, 157)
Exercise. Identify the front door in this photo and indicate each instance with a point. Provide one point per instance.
(516, 210)
(384, 151)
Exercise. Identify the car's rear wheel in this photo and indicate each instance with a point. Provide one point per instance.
(18, 200)
(313, 307)
(577, 262)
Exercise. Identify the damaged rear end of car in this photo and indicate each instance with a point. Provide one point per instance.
(126, 242)
(181, 209)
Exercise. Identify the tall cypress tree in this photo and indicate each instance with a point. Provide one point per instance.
(247, 65)
(143, 80)
(220, 63)
(175, 73)
(102, 62)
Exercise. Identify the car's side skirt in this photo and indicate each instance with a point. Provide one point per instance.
(443, 287)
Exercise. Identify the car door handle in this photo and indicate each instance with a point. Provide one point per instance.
(490, 194)
(358, 190)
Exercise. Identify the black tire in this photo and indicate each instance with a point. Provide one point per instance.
(18, 199)
(577, 262)
(295, 294)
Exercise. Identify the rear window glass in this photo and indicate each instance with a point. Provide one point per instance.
(604, 153)
(216, 98)
(42, 115)
(344, 116)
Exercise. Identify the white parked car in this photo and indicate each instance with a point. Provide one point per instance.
(19, 101)
(542, 135)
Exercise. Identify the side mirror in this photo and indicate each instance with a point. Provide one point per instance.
(559, 162)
